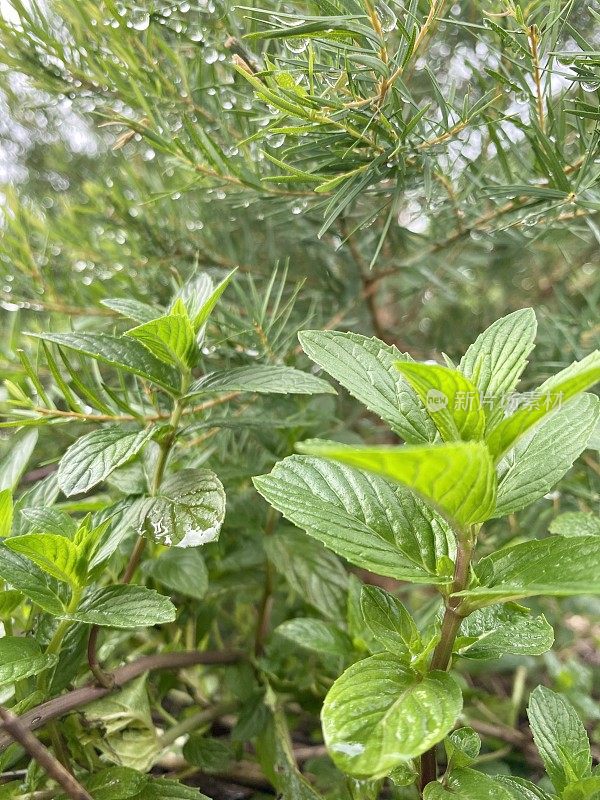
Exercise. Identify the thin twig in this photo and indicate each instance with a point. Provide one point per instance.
(14, 729)
(59, 706)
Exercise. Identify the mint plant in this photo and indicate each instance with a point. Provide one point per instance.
(474, 450)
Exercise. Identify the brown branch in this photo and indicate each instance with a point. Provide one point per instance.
(14, 729)
(59, 706)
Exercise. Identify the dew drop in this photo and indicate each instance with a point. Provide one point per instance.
(211, 55)
(139, 19)
(387, 18)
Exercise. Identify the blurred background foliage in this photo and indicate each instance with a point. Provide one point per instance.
(406, 170)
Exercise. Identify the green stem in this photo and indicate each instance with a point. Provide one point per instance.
(453, 617)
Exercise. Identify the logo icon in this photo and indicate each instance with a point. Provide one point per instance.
(436, 400)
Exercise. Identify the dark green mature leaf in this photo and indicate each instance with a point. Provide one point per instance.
(452, 401)
(188, 511)
(21, 657)
(575, 523)
(495, 361)
(315, 634)
(125, 607)
(467, 784)
(379, 714)
(389, 622)
(209, 754)
(541, 458)
(555, 566)
(366, 368)
(457, 478)
(118, 351)
(114, 783)
(94, 456)
(560, 737)
(521, 789)
(19, 572)
(47, 520)
(164, 789)
(170, 338)
(360, 517)
(263, 379)
(54, 554)
(491, 632)
(549, 397)
(180, 571)
(315, 574)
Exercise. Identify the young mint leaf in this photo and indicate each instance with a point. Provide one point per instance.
(55, 555)
(94, 456)
(207, 307)
(6, 512)
(366, 368)
(451, 400)
(456, 478)
(379, 714)
(467, 784)
(495, 361)
(542, 457)
(315, 634)
(462, 747)
(23, 575)
(170, 338)
(188, 511)
(262, 379)
(493, 631)
(124, 607)
(389, 622)
(181, 571)
(585, 789)
(555, 566)
(21, 657)
(132, 309)
(548, 398)
(359, 516)
(560, 737)
(575, 523)
(118, 351)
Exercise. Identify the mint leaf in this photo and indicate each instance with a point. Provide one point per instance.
(181, 571)
(20, 658)
(188, 511)
(55, 555)
(366, 368)
(389, 622)
(9, 600)
(379, 714)
(124, 607)
(170, 338)
(456, 478)
(359, 516)
(560, 737)
(491, 632)
(263, 379)
(94, 456)
(315, 634)
(47, 520)
(547, 399)
(575, 523)
(132, 309)
(462, 747)
(13, 463)
(495, 361)
(543, 456)
(521, 789)
(451, 400)
(201, 315)
(555, 566)
(20, 573)
(118, 351)
(467, 784)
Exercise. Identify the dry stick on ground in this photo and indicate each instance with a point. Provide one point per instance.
(64, 704)
(14, 729)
